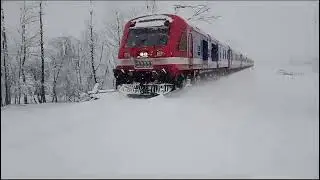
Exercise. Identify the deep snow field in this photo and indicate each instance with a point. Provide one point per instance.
(256, 123)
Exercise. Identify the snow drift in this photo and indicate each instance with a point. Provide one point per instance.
(251, 124)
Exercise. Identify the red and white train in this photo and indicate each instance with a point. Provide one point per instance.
(158, 53)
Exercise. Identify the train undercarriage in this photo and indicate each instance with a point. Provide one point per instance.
(156, 82)
(146, 82)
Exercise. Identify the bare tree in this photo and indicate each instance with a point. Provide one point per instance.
(78, 66)
(1, 91)
(1, 64)
(92, 45)
(56, 71)
(64, 53)
(19, 75)
(15, 77)
(27, 17)
(43, 97)
(5, 58)
(119, 30)
(57, 56)
(24, 51)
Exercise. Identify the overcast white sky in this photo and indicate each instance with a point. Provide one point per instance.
(265, 31)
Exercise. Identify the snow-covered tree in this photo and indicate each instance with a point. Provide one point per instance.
(28, 36)
(65, 68)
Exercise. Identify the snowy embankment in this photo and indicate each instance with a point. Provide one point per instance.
(252, 124)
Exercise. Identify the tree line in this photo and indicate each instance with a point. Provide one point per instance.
(62, 69)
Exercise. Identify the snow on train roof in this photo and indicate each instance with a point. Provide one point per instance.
(152, 20)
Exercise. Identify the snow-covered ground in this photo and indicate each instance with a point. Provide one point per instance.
(256, 123)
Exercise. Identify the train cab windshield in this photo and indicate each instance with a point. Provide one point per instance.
(148, 36)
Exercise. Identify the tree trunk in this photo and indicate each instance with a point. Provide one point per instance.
(118, 29)
(43, 97)
(19, 76)
(5, 55)
(24, 51)
(54, 98)
(79, 69)
(15, 98)
(1, 91)
(25, 94)
(23, 71)
(92, 49)
(39, 97)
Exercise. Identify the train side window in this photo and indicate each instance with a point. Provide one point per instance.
(183, 42)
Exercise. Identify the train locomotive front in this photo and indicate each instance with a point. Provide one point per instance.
(159, 53)
(147, 61)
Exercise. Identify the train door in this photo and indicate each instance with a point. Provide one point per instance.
(205, 50)
(214, 52)
(190, 50)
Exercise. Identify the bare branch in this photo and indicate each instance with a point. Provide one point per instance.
(200, 13)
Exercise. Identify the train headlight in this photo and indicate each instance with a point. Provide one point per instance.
(143, 54)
